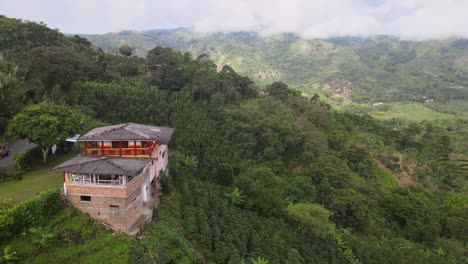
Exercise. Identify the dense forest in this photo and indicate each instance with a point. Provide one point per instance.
(361, 70)
(254, 177)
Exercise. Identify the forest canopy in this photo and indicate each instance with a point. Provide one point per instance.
(276, 177)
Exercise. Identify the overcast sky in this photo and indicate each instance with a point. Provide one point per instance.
(408, 19)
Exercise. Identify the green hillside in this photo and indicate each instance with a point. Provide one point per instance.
(254, 177)
(361, 70)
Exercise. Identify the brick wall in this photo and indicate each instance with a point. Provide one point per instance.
(121, 218)
(119, 191)
(127, 198)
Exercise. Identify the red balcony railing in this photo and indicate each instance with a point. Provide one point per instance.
(117, 152)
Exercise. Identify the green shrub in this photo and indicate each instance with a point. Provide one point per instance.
(29, 213)
(23, 159)
(10, 173)
(22, 164)
(165, 182)
(164, 243)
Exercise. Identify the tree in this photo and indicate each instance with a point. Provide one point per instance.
(263, 188)
(279, 89)
(44, 124)
(56, 67)
(312, 218)
(9, 95)
(126, 50)
(81, 41)
(165, 68)
(360, 161)
(328, 173)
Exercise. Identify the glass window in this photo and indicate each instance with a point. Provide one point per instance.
(85, 198)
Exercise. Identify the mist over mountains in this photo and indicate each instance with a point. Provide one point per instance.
(353, 69)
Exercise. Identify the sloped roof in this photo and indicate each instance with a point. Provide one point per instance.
(104, 165)
(130, 131)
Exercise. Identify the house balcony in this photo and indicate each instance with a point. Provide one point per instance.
(121, 148)
(110, 185)
(120, 152)
(99, 180)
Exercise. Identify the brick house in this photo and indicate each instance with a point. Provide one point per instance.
(116, 179)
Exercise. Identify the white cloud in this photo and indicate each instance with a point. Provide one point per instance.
(413, 19)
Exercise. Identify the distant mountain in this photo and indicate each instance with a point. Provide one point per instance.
(375, 69)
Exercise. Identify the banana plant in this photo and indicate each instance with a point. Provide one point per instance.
(41, 236)
(9, 256)
(236, 197)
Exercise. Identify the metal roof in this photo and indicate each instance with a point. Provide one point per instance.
(73, 139)
(130, 131)
(104, 165)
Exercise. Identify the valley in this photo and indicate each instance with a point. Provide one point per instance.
(284, 150)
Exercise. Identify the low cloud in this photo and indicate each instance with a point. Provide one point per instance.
(408, 19)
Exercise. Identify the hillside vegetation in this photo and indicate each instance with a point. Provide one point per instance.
(254, 177)
(361, 70)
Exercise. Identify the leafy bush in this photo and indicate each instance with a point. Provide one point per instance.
(9, 173)
(23, 159)
(41, 236)
(164, 243)
(9, 256)
(31, 212)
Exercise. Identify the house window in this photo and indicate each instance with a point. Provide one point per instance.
(85, 198)
(113, 206)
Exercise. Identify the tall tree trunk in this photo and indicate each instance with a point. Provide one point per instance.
(45, 152)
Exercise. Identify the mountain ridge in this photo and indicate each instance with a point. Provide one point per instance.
(379, 69)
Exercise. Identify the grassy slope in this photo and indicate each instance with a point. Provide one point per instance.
(40, 178)
(80, 239)
(403, 110)
(414, 112)
(84, 241)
